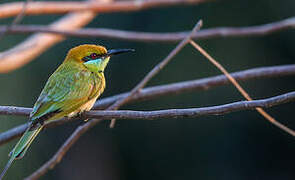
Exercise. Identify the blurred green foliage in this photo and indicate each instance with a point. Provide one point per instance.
(239, 145)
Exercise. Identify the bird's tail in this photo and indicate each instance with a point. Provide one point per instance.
(6, 167)
(21, 147)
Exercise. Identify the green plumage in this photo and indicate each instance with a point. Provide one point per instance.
(71, 89)
(64, 93)
(66, 90)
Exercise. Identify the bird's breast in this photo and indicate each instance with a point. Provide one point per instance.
(97, 87)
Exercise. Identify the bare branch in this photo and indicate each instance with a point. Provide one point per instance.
(193, 112)
(183, 113)
(17, 111)
(157, 91)
(46, 7)
(260, 30)
(29, 49)
(267, 116)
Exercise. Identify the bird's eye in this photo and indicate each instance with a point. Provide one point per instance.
(90, 57)
(93, 56)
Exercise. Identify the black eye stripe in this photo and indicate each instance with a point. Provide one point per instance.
(85, 59)
(92, 56)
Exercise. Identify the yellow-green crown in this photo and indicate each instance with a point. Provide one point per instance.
(84, 50)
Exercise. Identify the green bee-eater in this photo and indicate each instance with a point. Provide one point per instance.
(70, 90)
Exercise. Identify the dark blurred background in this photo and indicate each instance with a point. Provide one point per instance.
(240, 145)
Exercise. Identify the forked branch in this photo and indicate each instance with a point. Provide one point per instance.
(241, 90)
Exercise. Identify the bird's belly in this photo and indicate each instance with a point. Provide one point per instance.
(85, 107)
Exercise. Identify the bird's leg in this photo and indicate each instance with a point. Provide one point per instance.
(83, 117)
(80, 115)
(85, 120)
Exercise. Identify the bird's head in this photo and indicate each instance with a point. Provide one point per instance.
(94, 57)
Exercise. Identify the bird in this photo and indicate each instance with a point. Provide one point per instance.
(72, 89)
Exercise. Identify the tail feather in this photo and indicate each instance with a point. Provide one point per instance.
(24, 143)
(21, 147)
(6, 167)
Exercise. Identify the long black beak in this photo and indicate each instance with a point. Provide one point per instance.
(118, 51)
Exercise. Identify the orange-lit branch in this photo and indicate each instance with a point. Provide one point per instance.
(36, 44)
(47, 7)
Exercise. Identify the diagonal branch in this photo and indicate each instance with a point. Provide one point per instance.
(259, 30)
(241, 90)
(47, 7)
(154, 71)
(156, 91)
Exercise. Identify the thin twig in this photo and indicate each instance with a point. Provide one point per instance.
(82, 129)
(28, 50)
(251, 31)
(37, 8)
(16, 20)
(157, 91)
(241, 90)
(182, 113)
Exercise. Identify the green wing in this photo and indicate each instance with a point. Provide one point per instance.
(65, 92)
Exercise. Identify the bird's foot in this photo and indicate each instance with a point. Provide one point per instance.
(86, 120)
(81, 116)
